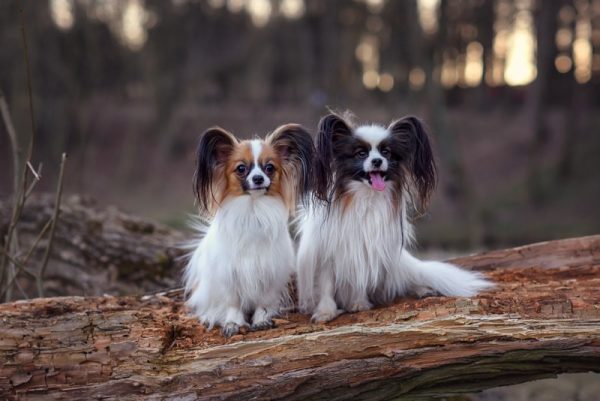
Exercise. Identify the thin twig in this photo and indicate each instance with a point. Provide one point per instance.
(35, 173)
(37, 240)
(14, 267)
(25, 191)
(20, 288)
(16, 155)
(22, 264)
(55, 216)
(34, 182)
(11, 266)
(18, 206)
(11, 278)
(31, 110)
(20, 196)
(29, 85)
(22, 268)
(16, 200)
(18, 203)
(12, 135)
(11, 260)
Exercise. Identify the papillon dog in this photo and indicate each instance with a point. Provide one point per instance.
(247, 190)
(355, 234)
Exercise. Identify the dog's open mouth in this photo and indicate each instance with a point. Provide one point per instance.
(377, 180)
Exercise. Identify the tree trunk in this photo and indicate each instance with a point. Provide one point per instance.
(96, 251)
(546, 26)
(541, 320)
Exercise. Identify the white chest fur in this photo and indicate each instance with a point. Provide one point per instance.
(369, 231)
(244, 261)
(355, 254)
(359, 240)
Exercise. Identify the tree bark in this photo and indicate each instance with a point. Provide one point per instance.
(96, 251)
(542, 319)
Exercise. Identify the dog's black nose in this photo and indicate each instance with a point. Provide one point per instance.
(258, 179)
(377, 162)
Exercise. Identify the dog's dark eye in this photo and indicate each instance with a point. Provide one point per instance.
(241, 169)
(385, 152)
(361, 154)
(269, 168)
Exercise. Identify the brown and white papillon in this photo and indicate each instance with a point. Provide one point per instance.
(355, 233)
(240, 269)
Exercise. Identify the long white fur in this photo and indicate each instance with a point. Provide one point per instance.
(356, 253)
(242, 264)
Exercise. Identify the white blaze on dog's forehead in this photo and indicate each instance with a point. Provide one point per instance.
(372, 134)
(256, 149)
(256, 145)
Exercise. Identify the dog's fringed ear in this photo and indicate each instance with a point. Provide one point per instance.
(331, 128)
(295, 146)
(413, 138)
(214, 149)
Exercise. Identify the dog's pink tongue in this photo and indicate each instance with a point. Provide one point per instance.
(377, 182)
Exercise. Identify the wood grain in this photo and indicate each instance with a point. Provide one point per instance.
(543, 318)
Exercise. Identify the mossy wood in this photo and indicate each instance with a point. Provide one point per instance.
(542, 319)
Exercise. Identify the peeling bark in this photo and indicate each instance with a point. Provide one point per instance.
(542, 319)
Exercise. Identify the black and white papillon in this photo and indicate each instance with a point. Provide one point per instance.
(355, 234)
(239, 271)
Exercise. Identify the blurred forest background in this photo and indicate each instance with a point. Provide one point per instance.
(509, 89)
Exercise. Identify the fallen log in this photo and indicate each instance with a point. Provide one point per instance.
(542, 319)
(96, 250)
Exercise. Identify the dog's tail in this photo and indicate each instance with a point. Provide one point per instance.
(443, 278)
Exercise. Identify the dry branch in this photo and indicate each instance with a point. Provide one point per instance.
(543, 319)
(54, 221)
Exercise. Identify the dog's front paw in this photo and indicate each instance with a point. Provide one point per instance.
(360, 306)
(230, 329)
(262, 325)
(324, 316)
